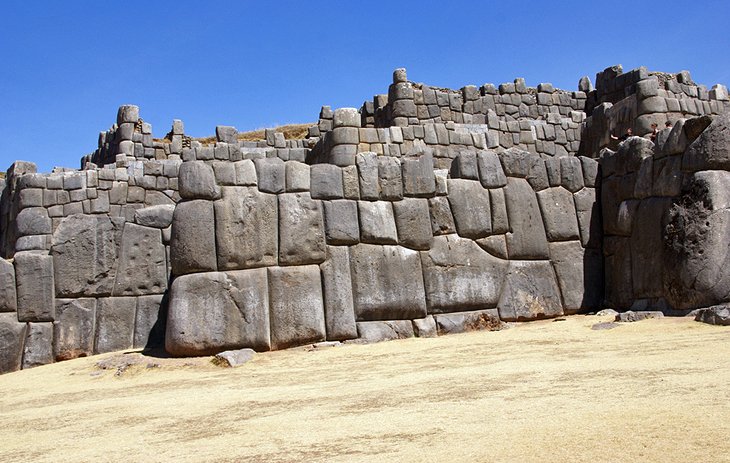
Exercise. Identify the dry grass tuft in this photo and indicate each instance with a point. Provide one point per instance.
(290, 131)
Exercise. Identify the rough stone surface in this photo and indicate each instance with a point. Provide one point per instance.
(339, 309)
(530, 292)
(192, 244)
(302, 239)
(196, 180)
(413, 223)
(159, 216)
(297, 308)
(326, 181)
(142, 262)
(234, 358)
(84, 250)
(217, 311)
(715, 315)
(115, 317)
(8, 297)
(632, 316)
(35, 287)
(418, 176)
(471, 208)
(38, 347)
(341, 224)
(377, 222)
(580, 275)
(527, 239)
(425, 327)
(271, 175)
(558, 213)
(442, 221)
(491, 174)
(246, 228)
(73, 330)
(12, 336)
(150, 321)
(459, 275)
(378, 331)
(462, 322)
(387, 283)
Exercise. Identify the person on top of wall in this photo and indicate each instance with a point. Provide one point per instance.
(629, 133)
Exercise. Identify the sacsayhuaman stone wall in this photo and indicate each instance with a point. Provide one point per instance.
(428, 211)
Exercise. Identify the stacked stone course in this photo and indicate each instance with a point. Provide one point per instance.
(428, 211)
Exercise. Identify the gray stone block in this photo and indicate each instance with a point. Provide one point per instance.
(115, 318)
(442, 221)
(648, 246)
(346, 117)
(711, 149)
(196, 180)
(35, 287)
(73, 330)
(425, 327)
(245, 173)
(465, 166)
(418, 176)
(527, 240)
(523, 164)
(155, 216)
(297, 306)
(127, 113)
(33, 221)
(226, 134)
(326, 181)
(491, 174)
(216, 311)
(339, 309)
(389, 177)
(558, 214)
(590, 171)
(297, 176)
(464, 322)
(12, 336)
(378, 331)
(301, 240)
(341, 225)
(571, 173)
(377, 222)
(530, 292)
(142, 265)
(192, 244)
(459, 275)
(150, 321)
(367, 167)
(350, 182)
(84, 250)
(271, 175)
(498, 206)
(246, 228)
(580, 275)
(8, 296)
(344, 136)
(413, 223)
(471, 208)
(387, 283)
(589, 217)
(38, 346)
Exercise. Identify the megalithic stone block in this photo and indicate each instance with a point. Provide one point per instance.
(246, 228)
(527, 239)
(530, 292)
(196, 180)
(301, 230)
(217, 311)
(413, 223)
(471, 208)
(115, 317)
(8, 297)
(150, 322)
(339, 309)
(142, 265)
(12, 335)
(38, 348)
(192, 244)
(35, 287)
(73, 330)
(297, 308)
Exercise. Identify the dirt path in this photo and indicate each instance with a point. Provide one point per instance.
(649, 391)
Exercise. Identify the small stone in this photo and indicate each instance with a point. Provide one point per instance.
(234, 358)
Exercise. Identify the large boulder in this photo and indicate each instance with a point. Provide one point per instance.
(196, 180)
(302, 240)
(85, 250)
(339, 309)
(217, 311)
(471, 208)
(527, 240)
(246, 228)
(142, 265)
(580, 275)
(387, 283)
(530, 292)
(35, 287)
(115, 317)
(459, 275)
(73, 330)
(8, 297)
(192, 245)
(711, 150)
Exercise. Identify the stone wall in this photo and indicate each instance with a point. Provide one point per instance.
(381, 224)
(665, 209)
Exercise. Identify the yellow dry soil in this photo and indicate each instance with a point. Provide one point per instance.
(651, 391)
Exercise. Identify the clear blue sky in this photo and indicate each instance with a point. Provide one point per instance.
(67, 66)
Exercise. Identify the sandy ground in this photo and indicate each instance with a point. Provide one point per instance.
(651, 391)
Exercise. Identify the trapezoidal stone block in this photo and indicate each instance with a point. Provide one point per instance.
(301, 225)
(246, 228)
(35, 288)
(558, 214)
(387, 283)
(413, 223)
(580, 275)
(527, 240)
(471, 208)
(217, 311)
(530, 292)
(142, 265)
(196, 180)
(73, 330)
(192, 244)
(85, 250)
(297, 308)
(459, 275)
(339, 310)
(115, 318)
